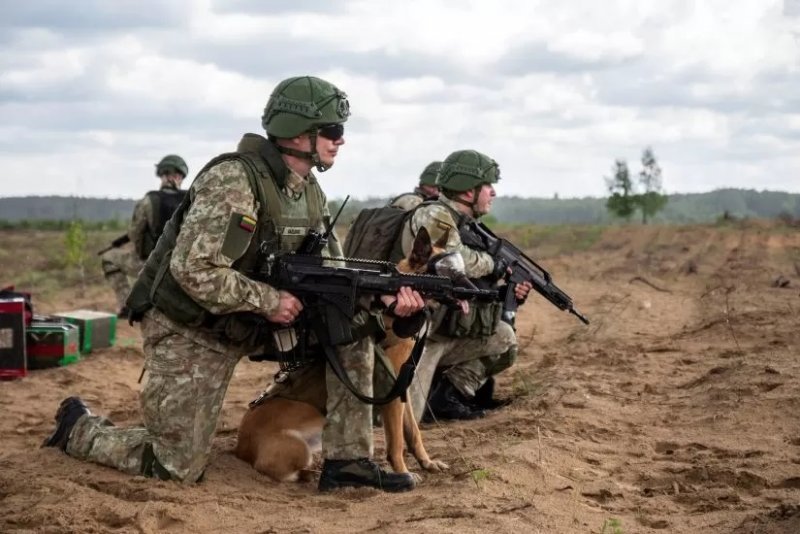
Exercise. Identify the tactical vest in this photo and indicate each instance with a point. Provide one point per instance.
(483, 317)
(281, 226)
(163, 202)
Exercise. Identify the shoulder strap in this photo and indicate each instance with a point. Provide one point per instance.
(314, 201)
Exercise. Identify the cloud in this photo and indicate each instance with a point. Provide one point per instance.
(275, 7)
(91, 15)
(93, 94)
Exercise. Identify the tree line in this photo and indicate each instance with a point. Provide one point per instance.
(55, 212)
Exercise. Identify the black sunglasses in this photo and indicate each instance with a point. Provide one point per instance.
(334, 132)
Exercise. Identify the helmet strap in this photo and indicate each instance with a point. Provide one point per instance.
(467, 203)
(477, 192)
(471, 205)
(321, 167)
(302, 154)
(311, 155)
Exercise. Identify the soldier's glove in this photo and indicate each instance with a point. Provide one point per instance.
(500, 268)
(404, 327)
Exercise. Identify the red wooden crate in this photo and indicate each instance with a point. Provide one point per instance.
(13, 362)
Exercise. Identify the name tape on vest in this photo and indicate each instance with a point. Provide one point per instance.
(295, 230)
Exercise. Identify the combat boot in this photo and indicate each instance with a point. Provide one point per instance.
(69, 411)
(360, 473)
(484, 397)
(446, 402)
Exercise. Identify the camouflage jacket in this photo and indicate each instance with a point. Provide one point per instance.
(438, 218)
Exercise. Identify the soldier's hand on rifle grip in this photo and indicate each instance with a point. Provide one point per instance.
(501, 268)
(407, 302)
(521, 291)
(289, 307)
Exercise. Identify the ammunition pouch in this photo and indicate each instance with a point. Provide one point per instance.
(168, 296)
(481, 321)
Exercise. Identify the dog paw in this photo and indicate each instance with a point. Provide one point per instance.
(435, 466)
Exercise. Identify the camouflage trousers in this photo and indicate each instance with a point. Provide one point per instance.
(347, 433)
(470, 362)
(181, 401)
(121, 266)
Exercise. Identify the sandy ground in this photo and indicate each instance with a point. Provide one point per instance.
(674, 411)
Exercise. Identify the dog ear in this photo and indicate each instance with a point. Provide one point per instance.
(442, 241)
(422, 248)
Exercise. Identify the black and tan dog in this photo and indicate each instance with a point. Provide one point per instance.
(279, 436)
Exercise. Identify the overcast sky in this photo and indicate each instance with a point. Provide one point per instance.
(94, 92)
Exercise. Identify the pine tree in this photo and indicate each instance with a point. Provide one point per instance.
(622, 200)
(652, 199)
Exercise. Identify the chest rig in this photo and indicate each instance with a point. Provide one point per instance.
(483, 317)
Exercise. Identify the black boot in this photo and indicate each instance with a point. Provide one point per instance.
(69, 411)
(123, 312)
(362, 472)
(484, 397)
(446, 402)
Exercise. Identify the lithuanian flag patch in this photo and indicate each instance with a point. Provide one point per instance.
(247, 223)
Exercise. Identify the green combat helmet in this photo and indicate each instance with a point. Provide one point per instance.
(304, 104)
(428, 176)
(171, 163)
(467, 169)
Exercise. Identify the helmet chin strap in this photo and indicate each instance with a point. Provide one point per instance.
(312, 155)
(471, 205)
(476, 197)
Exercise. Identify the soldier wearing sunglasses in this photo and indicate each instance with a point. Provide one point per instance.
(200, 311)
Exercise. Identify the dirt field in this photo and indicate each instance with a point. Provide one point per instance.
(676, 410)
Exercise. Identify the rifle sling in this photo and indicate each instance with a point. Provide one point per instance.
(401, 384)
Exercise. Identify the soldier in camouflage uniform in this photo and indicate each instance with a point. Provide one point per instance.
(470, 348)
(121, 265)
(201, 311)
(426, 190)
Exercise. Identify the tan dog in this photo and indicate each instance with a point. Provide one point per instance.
(279, 436)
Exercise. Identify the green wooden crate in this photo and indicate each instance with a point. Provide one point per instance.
(98, 330)
(52, 344)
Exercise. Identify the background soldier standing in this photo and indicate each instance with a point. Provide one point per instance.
(473, 347)
(201, 310)
(121, 264)
(426, 190)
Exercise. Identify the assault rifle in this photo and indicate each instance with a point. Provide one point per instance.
(523, 269)
(330, 295)
(331, 292)
(118, 242)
